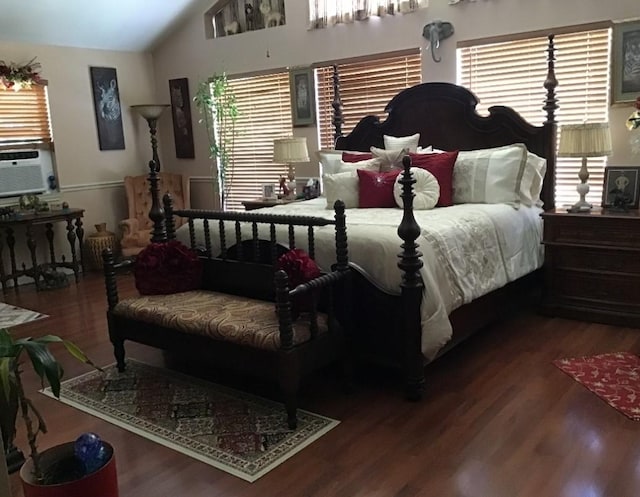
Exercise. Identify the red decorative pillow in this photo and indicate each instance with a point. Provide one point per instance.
(356, 156)
(376, 189)
(170, 267)
(441, 166)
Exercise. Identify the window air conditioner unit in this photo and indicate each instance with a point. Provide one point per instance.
(21, 172)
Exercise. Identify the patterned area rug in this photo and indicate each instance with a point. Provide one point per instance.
(10, 315)
(615, 378)
(236, 432)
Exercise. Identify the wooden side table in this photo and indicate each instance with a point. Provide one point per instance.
(75, 233)
(258, 203)
(592, 266)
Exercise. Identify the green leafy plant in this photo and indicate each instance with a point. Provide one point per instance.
(48, 369)
(216, 101)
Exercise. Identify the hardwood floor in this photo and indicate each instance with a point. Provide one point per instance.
(499, 419)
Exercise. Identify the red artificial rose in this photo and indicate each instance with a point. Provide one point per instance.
(169, 267)
(299, 267)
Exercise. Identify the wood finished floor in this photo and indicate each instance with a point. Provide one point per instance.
(499, 420)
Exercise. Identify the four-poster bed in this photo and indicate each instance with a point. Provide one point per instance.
(389, 321)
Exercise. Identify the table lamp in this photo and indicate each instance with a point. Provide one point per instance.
(584, 140)
(288, 151)
(151, 112)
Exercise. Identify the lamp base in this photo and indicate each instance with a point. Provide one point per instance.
(580, 206)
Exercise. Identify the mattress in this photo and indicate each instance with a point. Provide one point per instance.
(468, 251)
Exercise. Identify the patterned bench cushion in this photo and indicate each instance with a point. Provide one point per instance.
(249, 322)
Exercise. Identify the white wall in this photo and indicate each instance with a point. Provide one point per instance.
(88, 177)
(186, 53)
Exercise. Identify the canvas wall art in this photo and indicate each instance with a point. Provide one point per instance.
(181, 114)
(106, 101)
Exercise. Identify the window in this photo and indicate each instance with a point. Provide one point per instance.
(366, 87)
(323, 13)
(512, 73)
(24, 116)
(264, 107)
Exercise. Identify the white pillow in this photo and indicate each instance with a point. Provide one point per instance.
(330, 160)
(372, 164)
(341, 186)
(389, 159)
(426, 189)
(534, 171)
(490, 176)
(398, 142)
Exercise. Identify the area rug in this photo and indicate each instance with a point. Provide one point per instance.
(236, 432)
(614, 377)
(11, 315)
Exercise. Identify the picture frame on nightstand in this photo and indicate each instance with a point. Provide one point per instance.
(621, 187)
(269, 191)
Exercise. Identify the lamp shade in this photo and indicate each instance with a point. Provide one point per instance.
(288, 150)
(150, 111)
(585, 140)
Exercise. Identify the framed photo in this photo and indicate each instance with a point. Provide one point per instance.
(181, 115)
(303, 107)
(269, 191)
(621, 187)
(625, 80)
(106, 103)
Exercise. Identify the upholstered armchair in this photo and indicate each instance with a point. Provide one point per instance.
(136, 230)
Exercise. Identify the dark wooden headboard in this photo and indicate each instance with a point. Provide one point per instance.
(445, 116)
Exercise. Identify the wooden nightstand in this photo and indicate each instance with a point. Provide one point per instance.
(592, 266)
(258, 203)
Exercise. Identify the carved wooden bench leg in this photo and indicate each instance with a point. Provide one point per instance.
(289, 379)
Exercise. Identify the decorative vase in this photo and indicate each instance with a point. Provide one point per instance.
(101, 483)
(97, 242)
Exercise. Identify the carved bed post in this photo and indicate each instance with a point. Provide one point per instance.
(412, 287)
(168, 216)
(110, 278)
(338, 119)
(342, 252)
(156, 214)
(550, 125)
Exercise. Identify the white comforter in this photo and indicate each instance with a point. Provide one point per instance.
(468, 251)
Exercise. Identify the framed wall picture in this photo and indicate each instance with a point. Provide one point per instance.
(625, 80)
(621, 187)
(181, 115)
(303, 106)
(106, 103)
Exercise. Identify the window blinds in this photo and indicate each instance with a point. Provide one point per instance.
(366, 87)
(24, 115)
(264, 108)
(512, 74)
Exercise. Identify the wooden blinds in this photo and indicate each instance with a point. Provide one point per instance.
(24, 115)
(264, 108)
(512, 74)
(366, 87)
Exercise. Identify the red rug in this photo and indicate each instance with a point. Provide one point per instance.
(615, 378)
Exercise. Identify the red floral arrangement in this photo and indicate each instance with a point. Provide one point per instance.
(170, 267)
(17, 77)
(300, 268)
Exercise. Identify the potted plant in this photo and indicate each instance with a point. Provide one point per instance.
(84, 467)
(216, 101)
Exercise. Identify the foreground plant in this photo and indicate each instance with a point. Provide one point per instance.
(46, 367)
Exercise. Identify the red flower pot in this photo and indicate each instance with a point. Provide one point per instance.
(101, 483)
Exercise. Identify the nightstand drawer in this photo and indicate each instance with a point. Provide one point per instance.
(591, 230)
(608, 289)
(600, 259)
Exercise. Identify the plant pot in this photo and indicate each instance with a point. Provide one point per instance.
(101, 483)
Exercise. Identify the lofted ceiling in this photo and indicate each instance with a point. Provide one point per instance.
(129, 25)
